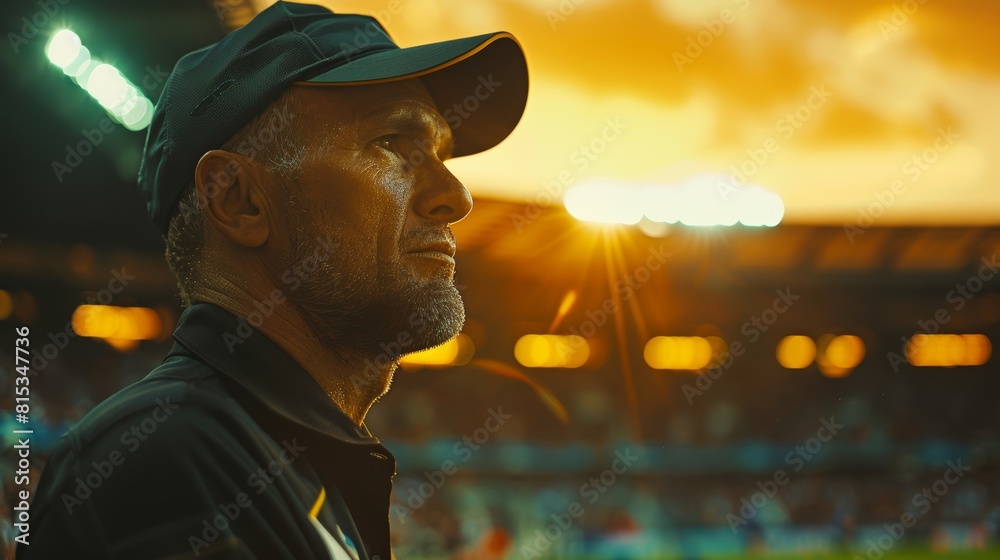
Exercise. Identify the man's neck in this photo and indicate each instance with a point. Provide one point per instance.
(352, 382)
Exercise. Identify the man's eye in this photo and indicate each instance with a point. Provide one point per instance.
(386, 142)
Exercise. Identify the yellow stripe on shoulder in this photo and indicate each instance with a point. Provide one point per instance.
(314, 512)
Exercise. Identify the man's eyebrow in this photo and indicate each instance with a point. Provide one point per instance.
(412, 118)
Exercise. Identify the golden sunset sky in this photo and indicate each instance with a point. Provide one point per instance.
(703, 87)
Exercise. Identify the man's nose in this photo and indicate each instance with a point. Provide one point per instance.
(441, 197)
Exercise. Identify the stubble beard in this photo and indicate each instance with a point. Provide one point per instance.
(374, 316)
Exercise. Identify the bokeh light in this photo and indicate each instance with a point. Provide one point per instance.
(948, 350)
(845, 351)
(111, 322)
(124, 102)
(455, 352)
(678, 352)
(551, 351)
(796, 352)
(701, 201)
(838, 355)
(6, 304)
(604, 202)
(63, 48)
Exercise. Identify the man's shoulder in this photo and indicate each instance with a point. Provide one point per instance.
(182, 390)
(180, 420)
(153, 461)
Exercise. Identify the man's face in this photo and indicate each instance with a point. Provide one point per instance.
(373, 183)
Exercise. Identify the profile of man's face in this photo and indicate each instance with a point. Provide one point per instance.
(369, 254)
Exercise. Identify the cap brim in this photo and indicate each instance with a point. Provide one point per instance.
(480, 84)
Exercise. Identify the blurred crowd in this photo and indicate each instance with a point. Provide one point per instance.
(534, 486)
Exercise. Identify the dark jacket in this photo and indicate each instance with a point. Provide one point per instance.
(215, 454)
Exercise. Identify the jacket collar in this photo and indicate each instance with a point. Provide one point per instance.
(233, 348)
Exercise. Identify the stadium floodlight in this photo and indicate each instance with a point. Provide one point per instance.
(122, 100)
(701, 201)
(63, 48)
(604, 202)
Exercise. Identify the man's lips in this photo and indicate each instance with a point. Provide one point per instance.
(442, 251)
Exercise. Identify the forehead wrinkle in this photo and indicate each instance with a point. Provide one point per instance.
(410, 113)
(413, 110)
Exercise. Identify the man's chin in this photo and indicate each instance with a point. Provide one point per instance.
(438, 320)
(433, 340)
(416, 316)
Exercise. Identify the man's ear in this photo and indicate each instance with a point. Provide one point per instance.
(231, 191)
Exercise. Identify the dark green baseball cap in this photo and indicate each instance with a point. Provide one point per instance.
(479, 83)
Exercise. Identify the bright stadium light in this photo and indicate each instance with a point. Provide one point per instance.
(701, 201)
(604, 202)
(139, 116)
(123, 101)
(63, 48)
(107, 86)
(713, 201)
(127, 102)
(80, 64)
